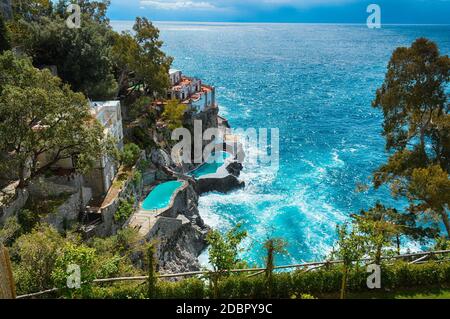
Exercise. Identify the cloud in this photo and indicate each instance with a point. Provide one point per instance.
(177, 5)
(303, 3)
(229, 4)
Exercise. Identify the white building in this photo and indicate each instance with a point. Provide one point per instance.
(175, 76)
(109, 114)
(191, 91)
(100, 178)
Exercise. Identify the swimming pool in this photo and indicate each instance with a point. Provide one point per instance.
(210, 167)
(161, 195)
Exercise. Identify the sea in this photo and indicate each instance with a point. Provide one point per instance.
(314, 83)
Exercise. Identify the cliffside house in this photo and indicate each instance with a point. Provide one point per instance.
(101, 177)
(109, 114)
(191, 91)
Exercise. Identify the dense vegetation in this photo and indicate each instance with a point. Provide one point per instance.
(40, 257)
(48, 73)
(92, 61)
(42, 113)
(398, 279)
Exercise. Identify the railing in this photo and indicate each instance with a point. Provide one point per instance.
(421, 258)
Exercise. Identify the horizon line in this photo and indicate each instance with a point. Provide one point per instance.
(281, 22)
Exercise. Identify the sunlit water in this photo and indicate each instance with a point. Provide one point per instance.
(315, 83)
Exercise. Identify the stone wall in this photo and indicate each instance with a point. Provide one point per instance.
(44, 188)
(108, 226)
(13, 206)
(67, 214)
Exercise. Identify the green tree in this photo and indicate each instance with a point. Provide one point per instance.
(36, 254)
(81, 256)
(350, 250)
(82, 56)
(383, 227)
(174, 113)
(272, 246)
(141, 65)
(31, 10)
(5, 40)
(139, 108)
(223, 252)
(416, 127)
(43, 122)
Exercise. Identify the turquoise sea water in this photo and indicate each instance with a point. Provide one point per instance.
(315, 83)
(160, 196)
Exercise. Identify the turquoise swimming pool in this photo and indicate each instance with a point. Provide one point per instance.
(210, 167)
(160, 196)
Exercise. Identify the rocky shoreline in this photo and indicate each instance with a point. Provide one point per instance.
(179, 231)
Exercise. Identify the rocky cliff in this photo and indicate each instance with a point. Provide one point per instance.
(180, 233)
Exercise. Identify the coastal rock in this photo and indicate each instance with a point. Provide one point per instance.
(235, 168)
(208, 117)
(180, 252)
(161, 158)
(180, 233)
(223, 184)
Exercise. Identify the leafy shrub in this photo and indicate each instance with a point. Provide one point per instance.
(287, 285)
(174, 113)
(124, 290)
(27, 219)
(35, 256)
(130, 154)
(10, 231)
(137, 178)
(191, 288)
(124, 210)
(79, 255)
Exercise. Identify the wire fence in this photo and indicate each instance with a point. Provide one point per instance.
(417, 258)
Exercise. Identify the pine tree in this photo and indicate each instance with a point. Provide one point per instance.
(416, 127)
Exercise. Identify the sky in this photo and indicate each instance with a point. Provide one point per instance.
(306, 11)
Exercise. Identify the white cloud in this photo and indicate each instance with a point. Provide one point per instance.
(222, 4)
(301, 3)
(177, 5)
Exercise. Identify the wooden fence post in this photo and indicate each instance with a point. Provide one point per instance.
(7, 285)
